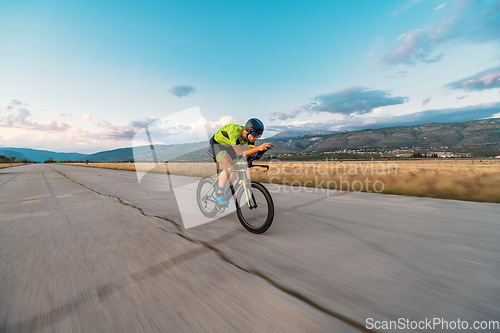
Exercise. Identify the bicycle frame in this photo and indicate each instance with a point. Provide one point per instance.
(257, 221)
(243, 181)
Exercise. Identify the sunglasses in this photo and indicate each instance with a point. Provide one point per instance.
(255, 134)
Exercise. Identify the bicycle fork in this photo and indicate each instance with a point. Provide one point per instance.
(250, 203)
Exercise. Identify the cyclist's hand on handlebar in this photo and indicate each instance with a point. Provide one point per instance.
(265, 146)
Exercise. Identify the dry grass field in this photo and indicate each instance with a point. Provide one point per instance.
(473, 180)
(183, 169)
(8, 165)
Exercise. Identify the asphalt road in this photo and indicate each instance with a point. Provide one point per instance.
(89, 250)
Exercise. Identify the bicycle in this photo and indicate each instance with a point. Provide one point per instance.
(256, 213)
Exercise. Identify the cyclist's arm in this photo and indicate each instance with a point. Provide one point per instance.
(250, 151)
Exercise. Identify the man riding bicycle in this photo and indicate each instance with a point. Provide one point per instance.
(226, 145)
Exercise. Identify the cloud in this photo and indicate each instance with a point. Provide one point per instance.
(99, 122)
(165, 129)
(466, 20)
(406, 6)
(110, 131)
(17, 116)
(357, 100)
(290, 114)
(53, 126)
(213, 126)
(18, 122)
(19, 129)
(398, 74)
(347, 102)
(187, 126)
(448, 115)
(15, 113)
(426, 101)
(142, 122)
(182, 91)
(441, 6)
(20, 116)
(488, 79)
(415, 46)
(472, 112)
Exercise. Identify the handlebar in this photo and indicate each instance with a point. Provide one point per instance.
(255, 157)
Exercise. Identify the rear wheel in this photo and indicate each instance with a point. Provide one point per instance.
(205, 197)
(255, 209)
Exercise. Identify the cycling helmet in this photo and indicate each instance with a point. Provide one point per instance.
(255, 127)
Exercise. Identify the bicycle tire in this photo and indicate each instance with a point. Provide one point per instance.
(241, 211)
(208, 212)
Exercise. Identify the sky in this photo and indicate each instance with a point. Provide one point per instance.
(86, 76)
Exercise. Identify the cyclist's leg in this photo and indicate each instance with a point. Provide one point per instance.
(224, 156)
(226, 164)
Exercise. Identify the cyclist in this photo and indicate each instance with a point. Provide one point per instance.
(226, 145)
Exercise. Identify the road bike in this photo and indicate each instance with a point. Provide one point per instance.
(254, 204)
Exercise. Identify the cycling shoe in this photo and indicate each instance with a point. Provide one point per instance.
(221, 200)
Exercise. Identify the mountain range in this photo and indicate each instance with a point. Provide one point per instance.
(480, 136)
(468, 134)
(297, 134)
(40, 155)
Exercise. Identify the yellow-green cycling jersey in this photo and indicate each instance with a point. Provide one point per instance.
(230, 135)
(222, 141)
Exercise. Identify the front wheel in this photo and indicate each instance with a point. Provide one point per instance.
(255, 208)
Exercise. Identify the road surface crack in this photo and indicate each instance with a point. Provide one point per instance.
(289, 291)
(154, 270)
(8, 180)
(120, 200)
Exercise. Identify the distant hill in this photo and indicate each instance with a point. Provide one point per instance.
(115, 155)
(12, 153)
(296, 134)
(188, 151)
(479, 136)
(40, 155)
(476, 134)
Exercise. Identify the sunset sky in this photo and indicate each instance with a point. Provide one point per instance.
(86, 76)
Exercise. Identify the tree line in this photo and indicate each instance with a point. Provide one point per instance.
(420, 155)
(13, 159)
